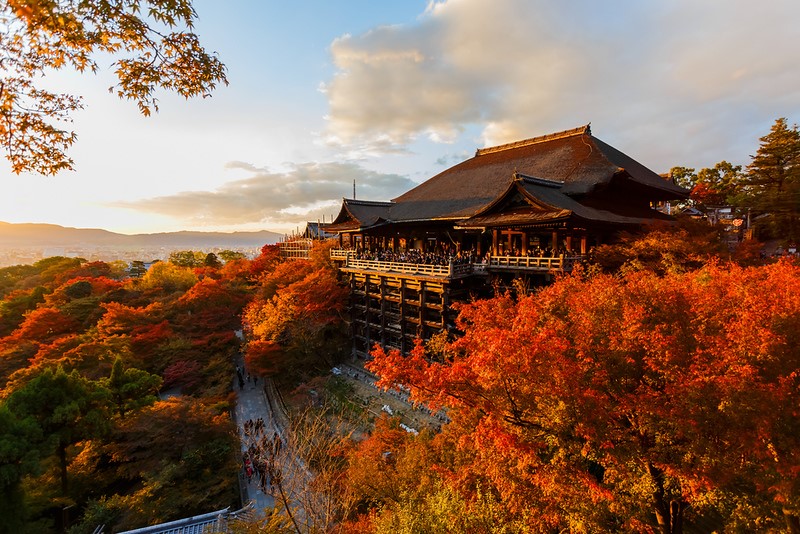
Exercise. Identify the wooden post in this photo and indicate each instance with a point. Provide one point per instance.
(402, 316)
(569, 243)
(583, 244)
(524, 243)
(421, 330)
(367, 335)
(353, 327)
(383, 311)
(554, 241)
(495, 243)
(445, 305)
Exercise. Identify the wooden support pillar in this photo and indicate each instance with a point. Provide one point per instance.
(495, 242)
(554, 240)
(403, 344)
(524, 243)
(583, 245)
(510, 244)
(367, 328)
(445, 305)
(353, 327)
(421, 329)
(569, 243)
(384, 310)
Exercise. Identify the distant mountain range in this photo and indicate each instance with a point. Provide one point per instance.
(51, 235)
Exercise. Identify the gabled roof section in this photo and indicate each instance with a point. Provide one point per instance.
(517, 204)
(529, 200)
(575, 157)
(359, 214)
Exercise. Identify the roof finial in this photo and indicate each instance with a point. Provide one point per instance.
(354, 188)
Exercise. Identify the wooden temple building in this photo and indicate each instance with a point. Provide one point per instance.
(524, 210)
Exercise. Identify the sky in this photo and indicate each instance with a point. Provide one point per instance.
(391, 93)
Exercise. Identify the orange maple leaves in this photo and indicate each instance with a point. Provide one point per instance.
(602, 384)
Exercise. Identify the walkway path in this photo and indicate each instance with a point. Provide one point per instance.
(252, 405)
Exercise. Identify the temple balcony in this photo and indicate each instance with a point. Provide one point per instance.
(454, 270)
(532, 263)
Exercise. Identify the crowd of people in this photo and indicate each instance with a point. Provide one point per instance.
(258, 459)
(450, 256)
(418, 257)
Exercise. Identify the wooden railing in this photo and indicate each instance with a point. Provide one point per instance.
(534, 263)
(400, 267)
(529, 263)
(340, 253)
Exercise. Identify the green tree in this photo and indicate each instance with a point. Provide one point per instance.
(152, 44)
(772, 183)
(17, 458)
(67, 408)
(212, 261)
(683, 176)
(137, 269)
(131, 388)
(187, 258)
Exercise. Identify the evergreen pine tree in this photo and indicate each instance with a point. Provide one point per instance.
(773, 183)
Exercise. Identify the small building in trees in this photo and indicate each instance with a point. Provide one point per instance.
(521, 211)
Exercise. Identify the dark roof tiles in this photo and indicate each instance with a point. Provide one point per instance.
(359, 214)
(574, 157)
(580, 164)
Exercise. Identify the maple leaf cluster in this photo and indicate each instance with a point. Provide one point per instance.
(634, 402)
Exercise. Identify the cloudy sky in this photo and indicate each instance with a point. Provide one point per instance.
(390, 93)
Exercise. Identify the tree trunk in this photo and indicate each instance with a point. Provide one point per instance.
(676, 509)
(62, 458)
(669, 516)
(659, 506)
(792, 521)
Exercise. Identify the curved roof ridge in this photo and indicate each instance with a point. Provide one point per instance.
(536, 180)
(368, 202)
(581, 130)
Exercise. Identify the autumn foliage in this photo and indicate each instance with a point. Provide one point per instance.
(84, 349)
(635, 403)
(295, 319)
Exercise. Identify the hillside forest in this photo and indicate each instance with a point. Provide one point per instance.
(654, 389)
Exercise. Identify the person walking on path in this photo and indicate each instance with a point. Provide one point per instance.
(252, 407)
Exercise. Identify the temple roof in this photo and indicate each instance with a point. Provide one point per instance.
(357, 214)
(575, 157)
(529, 201)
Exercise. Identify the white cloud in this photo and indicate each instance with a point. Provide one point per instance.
(303, 192)
(691, 76)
